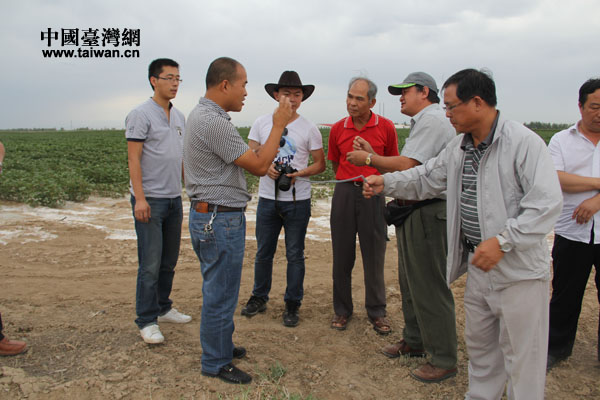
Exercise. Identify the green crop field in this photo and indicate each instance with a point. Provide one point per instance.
(48, 168)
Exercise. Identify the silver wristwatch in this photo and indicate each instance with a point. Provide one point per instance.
(505, 245)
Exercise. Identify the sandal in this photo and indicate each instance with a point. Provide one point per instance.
(339, 322)
(381, 325)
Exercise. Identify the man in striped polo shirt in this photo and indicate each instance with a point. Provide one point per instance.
(215, 157)
(503, 197)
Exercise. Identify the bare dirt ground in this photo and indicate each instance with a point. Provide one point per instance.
(67, 287)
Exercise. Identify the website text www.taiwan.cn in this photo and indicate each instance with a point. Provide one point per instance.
(91, 43)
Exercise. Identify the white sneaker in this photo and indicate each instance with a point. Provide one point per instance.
(174, 317)
(151, 334)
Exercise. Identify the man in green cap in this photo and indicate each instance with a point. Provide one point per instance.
(427, 302)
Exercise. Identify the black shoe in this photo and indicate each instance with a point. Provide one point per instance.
(255, 305)
(239, 352)
(290, 315)
(553, 360)
(230, 374)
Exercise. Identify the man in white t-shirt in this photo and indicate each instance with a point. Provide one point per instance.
(283, 200)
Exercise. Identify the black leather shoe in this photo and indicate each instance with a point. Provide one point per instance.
(254, 306)
(553, 360)
(230, 374)
(290, 315)
(239, 352)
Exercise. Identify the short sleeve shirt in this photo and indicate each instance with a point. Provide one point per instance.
(430, 132)
(379, 132)
(211, 146)
(302, 138)
(162, 151)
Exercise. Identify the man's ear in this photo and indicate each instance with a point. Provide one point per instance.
(224, 85)
(153, 81)
(478, 102)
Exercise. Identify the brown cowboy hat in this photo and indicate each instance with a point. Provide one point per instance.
(290, 79)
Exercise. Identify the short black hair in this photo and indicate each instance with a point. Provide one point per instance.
(432, 97)
(590, 86)
(470, 83)
(221, 69)
(157, 65)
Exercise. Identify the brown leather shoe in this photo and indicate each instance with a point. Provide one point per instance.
(429, 374)
(12, 347)
(401, 348)
(381, 325)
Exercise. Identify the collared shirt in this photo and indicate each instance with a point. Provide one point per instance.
(468, 198)
(379, 132)
(573, 153)
(162, 151)
(211, 146)
(430, 132)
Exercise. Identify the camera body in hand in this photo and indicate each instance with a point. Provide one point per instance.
(284, 182)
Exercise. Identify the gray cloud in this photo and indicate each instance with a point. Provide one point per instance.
(539, 52)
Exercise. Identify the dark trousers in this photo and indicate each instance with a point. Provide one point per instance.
(1, 335)
(572, 264)
(427, 301)
(351, 213)
(271, 216)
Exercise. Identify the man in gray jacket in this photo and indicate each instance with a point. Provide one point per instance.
(503, 197)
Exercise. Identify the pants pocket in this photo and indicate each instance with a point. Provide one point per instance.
(204, 242)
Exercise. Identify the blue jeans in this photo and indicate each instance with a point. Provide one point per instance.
(158, 250)
(220, 248)
(271, 216)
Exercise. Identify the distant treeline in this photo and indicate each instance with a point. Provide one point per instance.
(546, 125)
(530, 125)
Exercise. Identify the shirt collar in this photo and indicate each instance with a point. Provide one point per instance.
(468, 139)
(373, 121)
(208, 103)
(157, 105)
(415, 118)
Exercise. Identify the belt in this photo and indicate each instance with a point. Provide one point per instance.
(204, 207)
(355, 183)
(406, 202)
(469, 246)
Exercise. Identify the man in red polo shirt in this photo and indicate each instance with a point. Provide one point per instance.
(351, 213)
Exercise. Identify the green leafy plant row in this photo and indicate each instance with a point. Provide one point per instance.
(48, 168)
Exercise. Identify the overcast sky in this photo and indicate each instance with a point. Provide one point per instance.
(540, 52)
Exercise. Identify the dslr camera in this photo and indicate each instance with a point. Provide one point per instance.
(284, 182)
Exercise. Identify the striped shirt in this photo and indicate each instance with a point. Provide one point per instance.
(469, 217)
(211, 145)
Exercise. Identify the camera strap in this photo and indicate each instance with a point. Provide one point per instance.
(293, 191)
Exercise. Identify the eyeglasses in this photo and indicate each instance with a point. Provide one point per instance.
(452, 107)
(170, 78)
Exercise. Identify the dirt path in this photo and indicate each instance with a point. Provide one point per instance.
(67, 287)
